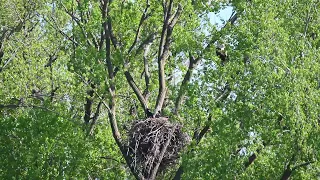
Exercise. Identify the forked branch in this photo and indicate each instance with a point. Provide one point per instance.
(163, 53)
(143, 18)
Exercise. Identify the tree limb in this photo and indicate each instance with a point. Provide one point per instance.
(78, 21)
(136, 90)
(146, 72)
(145, 42)
(112, 103)
(182, 90)
(198, 138)
(143, 18)
(109, 66)
(60, 31)
(95, 118)
(163, 53)
(193, 64)
(88, 105)
(302, 165)
(15, 106)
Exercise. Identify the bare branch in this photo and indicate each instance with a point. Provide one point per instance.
(143, 18)
(136, 90)
(146, 72)
(164, 51)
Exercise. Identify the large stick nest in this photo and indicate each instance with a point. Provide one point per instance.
(148, 138)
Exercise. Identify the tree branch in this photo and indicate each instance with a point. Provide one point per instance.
(15, 106)
(198, 138)
(302, 165)
(146, 72)
(112, 103)
(60, 31)
(109, 66)
(143, 18)
(182, 90)
(163, 53)
(95, 118)
(78, 21)
(193, 64)
(147, 41)
(136, 90)
(88, 105)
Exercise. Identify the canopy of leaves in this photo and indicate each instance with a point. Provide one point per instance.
(74, 75)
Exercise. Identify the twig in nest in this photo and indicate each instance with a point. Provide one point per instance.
(154, 143)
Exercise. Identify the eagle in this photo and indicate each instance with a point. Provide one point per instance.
(222, 53)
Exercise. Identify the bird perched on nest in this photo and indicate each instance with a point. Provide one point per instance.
(149, 114)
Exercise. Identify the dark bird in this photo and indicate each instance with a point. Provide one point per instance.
(37, 94)
(52, 59)
(149, 114)
(222, 54)
(116, 69)
(133, 111)
(1, 55)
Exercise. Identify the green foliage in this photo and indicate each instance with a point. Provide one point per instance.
(271, 82)
(42, 145)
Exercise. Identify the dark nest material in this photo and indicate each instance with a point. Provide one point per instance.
(153, 140)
